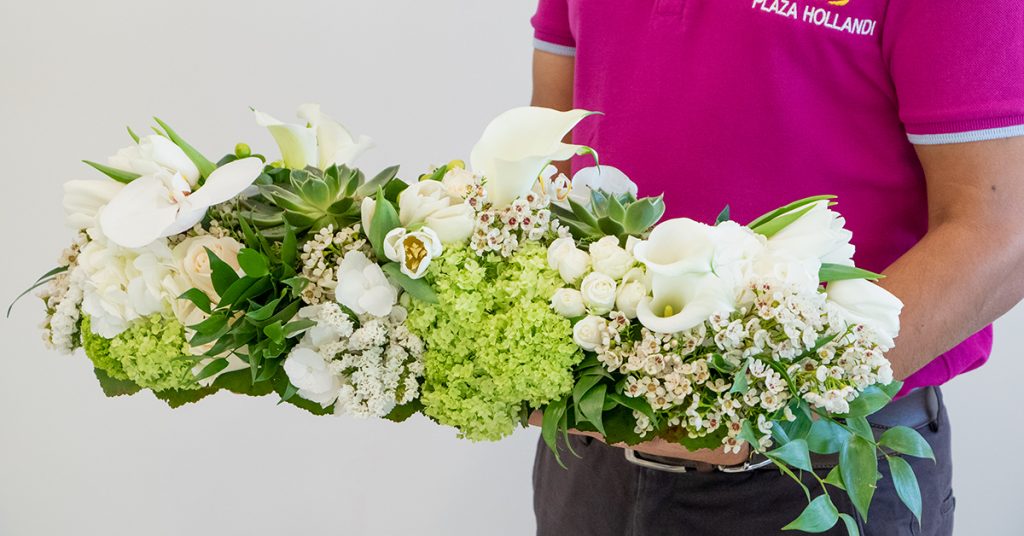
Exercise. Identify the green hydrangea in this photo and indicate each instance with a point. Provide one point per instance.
(151, 352)
(493, 341)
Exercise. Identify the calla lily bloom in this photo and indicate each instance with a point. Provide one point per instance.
(517, 146)
(163, 204)
(322, 142)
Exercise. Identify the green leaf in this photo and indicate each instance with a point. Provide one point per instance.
(840, 272)
(891, 388)
(851, 524)
(772, 227)
(819, 516)
(385, 218)
(212, 369)
(907, 441)
(861, 427)
(134, 136)
(43, 279)
(739, 380)
(381, 180)
(826, 437)
(615, 210)
(205, 166)
(263, 312)
(212, 324)
(553, 414)
(289, 247)
(592, 406)
(176, 398)
(795, 453)
(907, 488)
(253, 263)
(403, 412)
(792, 206)
(748, 434)
(723, 216)
(858, 465)
(222, 274)
(869, 401)
(585, 384)
(835, 478)
(118, 175)
(198, 298)
(583, 214)
(417, 288)
(636, 404)
(114, 387)
(274, 332)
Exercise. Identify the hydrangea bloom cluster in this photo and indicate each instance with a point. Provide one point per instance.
(492, 341)
(320, 256)
(363, 366)
(152, 353)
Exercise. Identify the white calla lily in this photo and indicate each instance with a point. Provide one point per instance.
(83, 200)
(163, 204)
(153, 153)
(321, 142)
(607, 179)
(517, 146)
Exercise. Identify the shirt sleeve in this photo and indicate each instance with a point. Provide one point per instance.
(957, 67)
(552, 32)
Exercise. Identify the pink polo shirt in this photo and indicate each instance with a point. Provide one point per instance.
(756, 103)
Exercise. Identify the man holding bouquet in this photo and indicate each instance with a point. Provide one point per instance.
(911, 112)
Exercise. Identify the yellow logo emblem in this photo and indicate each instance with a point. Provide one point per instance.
(839, 3)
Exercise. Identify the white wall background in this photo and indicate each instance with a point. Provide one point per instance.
(422, 77)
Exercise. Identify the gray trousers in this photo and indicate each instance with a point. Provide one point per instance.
(602, 494)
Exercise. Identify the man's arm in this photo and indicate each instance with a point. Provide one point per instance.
(968, 270)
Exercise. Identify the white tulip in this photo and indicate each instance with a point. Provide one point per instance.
(574, 265)
(516, 147)
(321, 142)
(606, 179)
(363, 287)
(589, 332)
(312, 374)
(865, 303)
(412, 250)
(366, 211)
(568, 302)
(820, 233)
(609, 258)
(154, 153)
(420, 200)
(160, 205)
(598, 293)
(83, 201)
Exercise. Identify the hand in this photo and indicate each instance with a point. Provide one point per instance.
(660, 447)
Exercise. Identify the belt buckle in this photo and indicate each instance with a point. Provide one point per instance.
(632, 458)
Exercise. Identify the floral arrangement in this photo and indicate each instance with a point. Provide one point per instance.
(477, 295)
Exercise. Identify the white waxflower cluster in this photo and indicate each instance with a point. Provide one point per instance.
(363, 367)
(789, 344)
(503, 230)
(63, 299)
(320, 257)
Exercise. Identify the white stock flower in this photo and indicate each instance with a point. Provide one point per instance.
(516, 147)
(155, 153)
(609, 258)
(820, 233)
(312, 374)
(589, 332)
(321, 142)
(162, 204)
(363, 287)
(83, 200)
(598, 293)
(568, 303)
(429, 202)
(412, 250)
(865, 303)
(607, 179)
(194, 262)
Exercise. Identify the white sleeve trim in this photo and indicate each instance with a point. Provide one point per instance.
(966, 137)
(560, 50)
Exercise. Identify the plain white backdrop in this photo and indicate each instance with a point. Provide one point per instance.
(422, 78)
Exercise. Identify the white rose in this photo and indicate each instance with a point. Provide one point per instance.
(366, 211)
(311, 373)
(574, 265)
(459, 182)
(589, 332)
(863, 302)
(598, 293)
(820, 233)
(363, 287)
(568, 303)
(420, 200)
(629, 297)
(194, 262)
(413, 251)
(453, 224)
(154, 153)
(558, 251)
(609, 258)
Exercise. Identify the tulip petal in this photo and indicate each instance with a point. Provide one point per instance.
(225, 183)
(139, 213)
(297, 143)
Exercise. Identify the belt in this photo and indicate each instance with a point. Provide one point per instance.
(918, 408)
